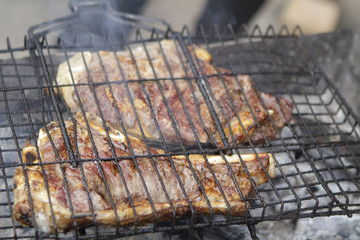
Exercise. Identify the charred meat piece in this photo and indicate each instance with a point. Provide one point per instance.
(94, 192)
(157, 83)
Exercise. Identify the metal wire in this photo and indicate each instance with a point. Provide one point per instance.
(313, 166)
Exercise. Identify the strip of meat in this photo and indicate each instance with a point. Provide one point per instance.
(161, 84)
(83, 189)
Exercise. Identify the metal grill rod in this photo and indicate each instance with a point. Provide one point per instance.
(243, 164)
(319, 177)
(300, 146)
(270, 31)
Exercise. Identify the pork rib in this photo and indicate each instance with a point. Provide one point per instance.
(82, 190)
(158, 80)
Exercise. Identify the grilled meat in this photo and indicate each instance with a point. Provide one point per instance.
(94, 192)
(156, 85)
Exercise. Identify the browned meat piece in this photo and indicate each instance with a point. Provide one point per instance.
(116, 86)
(277, 117)
(66, 184)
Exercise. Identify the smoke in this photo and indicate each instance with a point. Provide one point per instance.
(95, 25)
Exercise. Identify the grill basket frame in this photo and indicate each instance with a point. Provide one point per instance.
(28, 84)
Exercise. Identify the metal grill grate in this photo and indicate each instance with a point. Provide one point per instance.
(317, 154)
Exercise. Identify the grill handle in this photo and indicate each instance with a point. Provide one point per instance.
(76, 5)
(81, 7)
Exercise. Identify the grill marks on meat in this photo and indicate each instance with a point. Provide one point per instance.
(146, 87)
(82, 189)
(127, 77)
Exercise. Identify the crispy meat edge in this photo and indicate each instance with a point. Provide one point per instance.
(23, 213)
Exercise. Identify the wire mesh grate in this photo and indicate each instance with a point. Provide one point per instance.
(316, 155)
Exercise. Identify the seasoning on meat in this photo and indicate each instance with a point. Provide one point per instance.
(67, 191)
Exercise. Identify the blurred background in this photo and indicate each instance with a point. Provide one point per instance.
(338, 54)
(314, 16)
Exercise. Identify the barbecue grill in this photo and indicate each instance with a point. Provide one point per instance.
(317, 154)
